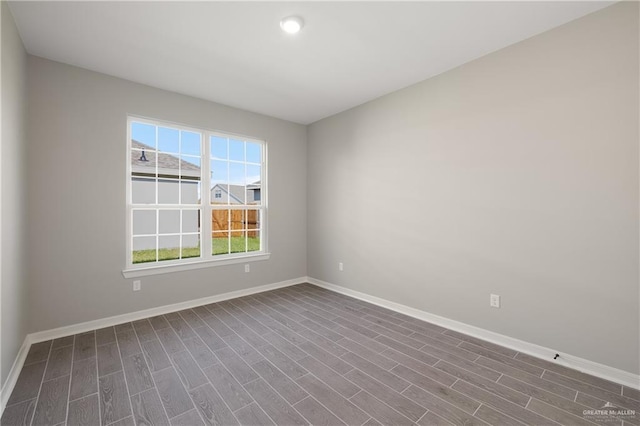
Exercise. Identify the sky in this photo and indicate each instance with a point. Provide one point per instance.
(232, 160)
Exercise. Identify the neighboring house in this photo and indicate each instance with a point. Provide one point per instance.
(235, 194)
(177, 179)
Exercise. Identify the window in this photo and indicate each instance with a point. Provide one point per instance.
(194, 196)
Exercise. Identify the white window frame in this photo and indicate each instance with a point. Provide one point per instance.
(206, 259)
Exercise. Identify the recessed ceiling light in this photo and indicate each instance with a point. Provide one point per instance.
(291, 24)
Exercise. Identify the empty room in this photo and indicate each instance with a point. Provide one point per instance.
(320, 213)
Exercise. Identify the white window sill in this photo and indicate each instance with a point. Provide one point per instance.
(197, 264)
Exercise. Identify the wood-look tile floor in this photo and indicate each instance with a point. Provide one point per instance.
(294, 356)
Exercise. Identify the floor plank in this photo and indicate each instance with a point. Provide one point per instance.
(137, 374)
(59, 363)
(38, 352)
(252, 414)
(443, 392)
(85, 346)
(277, 408)
(105, 335)
(336, 381)
(51, 408)
(395, 400)
(190, 418)
(144, 331)
(200, 352)
(496, 388)
(286, 387)
(108, 359)
(84, 378)
(340, 406)
(84, 411)
(316, 414)
(188, 370)
(155, 355)
(128, 342)
(173, 395)
(211, 407)
(62, 342)
(19, 414)
(28, 383)
(231, 391)
(114, 399)
(379, 410)
(148, 409)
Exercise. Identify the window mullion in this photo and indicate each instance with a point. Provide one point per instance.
(205, 199)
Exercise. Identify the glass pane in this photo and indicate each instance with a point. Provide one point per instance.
(143, 191)
(253, 174)
(253, 240)
(168, 191)
(254, 195)
(237, 189)
(169, 222)
(190, 246)
(220, 220)
(190, 166)
(253, 220)
(237, 173)
(219, 171)
(239, 242)
(190, 143)
(254, 152)
(237, 223)
(236, 150)
(168, 247)
(144, 222)
(169, 166)
(219, 194)
(190, 192)
(219, 147)
(220, 243)
(144, 249)
(237, 194)
(168, 140)
(143, 133)
(143, 161)
(190, 220)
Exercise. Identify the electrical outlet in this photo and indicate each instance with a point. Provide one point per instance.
(494, 301)
(247, 268)
(137, 285)
(340, 266)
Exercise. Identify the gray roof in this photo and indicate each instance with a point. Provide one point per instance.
(167, 164)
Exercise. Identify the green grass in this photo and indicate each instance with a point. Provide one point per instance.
(220, 246)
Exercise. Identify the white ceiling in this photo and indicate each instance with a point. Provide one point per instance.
(234, 53)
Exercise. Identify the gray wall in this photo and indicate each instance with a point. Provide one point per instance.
(13, 288)
(77, 144)
(515, 174)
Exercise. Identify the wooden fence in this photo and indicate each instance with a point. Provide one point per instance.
(224, 224)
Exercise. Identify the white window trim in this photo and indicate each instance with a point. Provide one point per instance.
(206, 259)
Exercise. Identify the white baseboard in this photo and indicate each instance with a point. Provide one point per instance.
(571, 361)
(12, 377)
(42, 336)
(69, 330)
